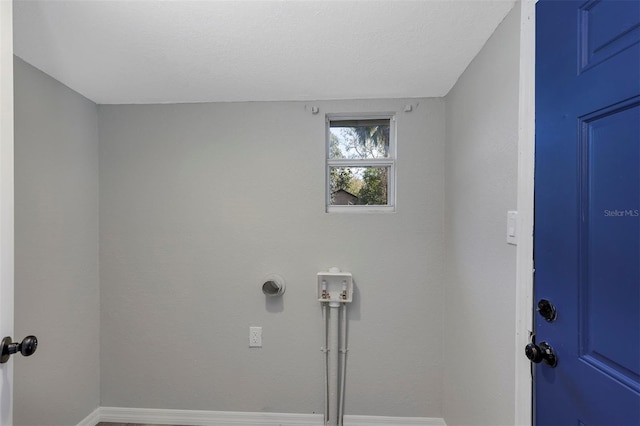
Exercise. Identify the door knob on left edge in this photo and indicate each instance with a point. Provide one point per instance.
(544, 352)
(27, 347)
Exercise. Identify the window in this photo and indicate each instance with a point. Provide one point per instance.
(360, 163)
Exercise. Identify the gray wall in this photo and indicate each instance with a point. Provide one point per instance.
(56, 250)
(481, 178)
(198, 202)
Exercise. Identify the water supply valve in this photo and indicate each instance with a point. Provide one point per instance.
(335, 286)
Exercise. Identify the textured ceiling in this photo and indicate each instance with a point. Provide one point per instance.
(211, 51)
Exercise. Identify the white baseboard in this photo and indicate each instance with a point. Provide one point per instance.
(232, 418)
(206, 418)
(391, 421)
(92, 419)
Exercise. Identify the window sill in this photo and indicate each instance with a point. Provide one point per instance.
(361, 209)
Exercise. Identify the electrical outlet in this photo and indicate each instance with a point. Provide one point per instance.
(255, 337)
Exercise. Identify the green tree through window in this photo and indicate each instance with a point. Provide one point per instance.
(360, 161)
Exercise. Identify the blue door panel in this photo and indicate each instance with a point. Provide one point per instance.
(587, 196)
(605, 29)
(610, 232)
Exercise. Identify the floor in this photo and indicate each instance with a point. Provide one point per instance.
(126, 424)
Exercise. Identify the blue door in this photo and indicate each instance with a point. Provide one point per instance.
(586, 346)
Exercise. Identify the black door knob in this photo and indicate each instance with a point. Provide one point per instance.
(543, 352)
(533, 352)
(27, 347)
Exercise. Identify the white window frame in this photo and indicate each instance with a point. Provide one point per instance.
(381, 162)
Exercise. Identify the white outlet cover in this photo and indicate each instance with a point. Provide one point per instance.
(255, 337)
(512, 224)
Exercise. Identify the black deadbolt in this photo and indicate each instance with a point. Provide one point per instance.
(27, 347)
(547, 310)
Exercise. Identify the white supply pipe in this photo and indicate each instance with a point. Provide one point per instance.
(332, 346)
(326, 363)
(335, 290)
(343, 361)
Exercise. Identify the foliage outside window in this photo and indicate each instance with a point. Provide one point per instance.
(360, 163)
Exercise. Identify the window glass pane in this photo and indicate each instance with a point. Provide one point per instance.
(359, 186)
(359, 139)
